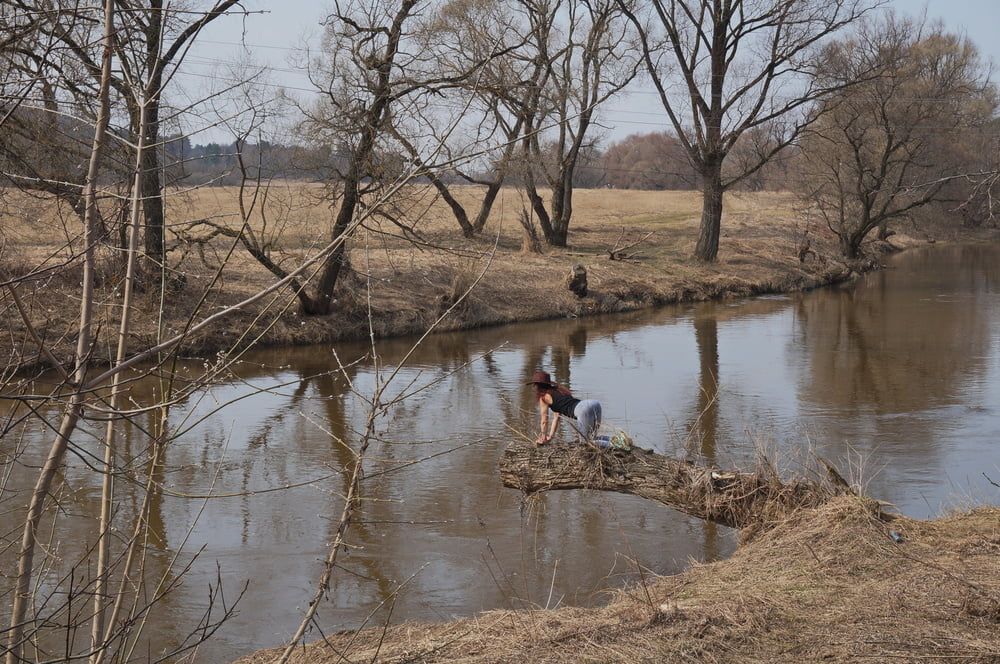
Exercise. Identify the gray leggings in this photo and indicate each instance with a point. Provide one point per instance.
(588, 418)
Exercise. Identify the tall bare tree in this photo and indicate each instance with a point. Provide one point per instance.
(360, 76)
(725, 67)
(160, 37)
(588, 51)
(376, 65)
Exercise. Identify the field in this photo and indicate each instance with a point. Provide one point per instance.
(412, 277)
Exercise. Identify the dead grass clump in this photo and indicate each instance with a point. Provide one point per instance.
(827, 583)
(636, 292)
(531, 243)
(981, 546)
(979, 605)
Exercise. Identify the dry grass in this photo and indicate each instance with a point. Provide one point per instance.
(412, 284)
(828, 584)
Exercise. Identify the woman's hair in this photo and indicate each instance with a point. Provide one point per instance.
(553, 388)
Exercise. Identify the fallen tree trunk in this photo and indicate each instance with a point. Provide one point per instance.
(733, 499)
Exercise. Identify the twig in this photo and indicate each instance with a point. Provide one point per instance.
(619, 253)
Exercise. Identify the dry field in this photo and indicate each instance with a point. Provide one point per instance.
(828, 584)
(411, 282)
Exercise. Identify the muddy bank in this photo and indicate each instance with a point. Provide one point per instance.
(834, 583)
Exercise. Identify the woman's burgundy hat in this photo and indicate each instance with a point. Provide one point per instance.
(541, 378)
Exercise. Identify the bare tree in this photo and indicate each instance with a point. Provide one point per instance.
(159, 38)
(483, 37)
(738, 65)
(542, 71)
(891, 145)
(360, 76)
(589, 57)
(152, 38)
(376, 65)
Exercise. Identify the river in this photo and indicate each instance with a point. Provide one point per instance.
(895, 378)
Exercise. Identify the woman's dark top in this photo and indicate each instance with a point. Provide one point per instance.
(564, 404)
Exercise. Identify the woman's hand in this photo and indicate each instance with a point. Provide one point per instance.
(542, 439)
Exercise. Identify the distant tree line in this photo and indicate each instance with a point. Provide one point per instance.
(218, 164)
(651, 161)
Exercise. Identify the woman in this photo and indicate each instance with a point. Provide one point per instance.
(561, 401)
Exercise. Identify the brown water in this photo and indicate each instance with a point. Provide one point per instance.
(896, 377)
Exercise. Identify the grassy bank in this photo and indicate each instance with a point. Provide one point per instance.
(411, 284)
(829, 584)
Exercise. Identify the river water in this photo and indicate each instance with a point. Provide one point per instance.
(895, 378)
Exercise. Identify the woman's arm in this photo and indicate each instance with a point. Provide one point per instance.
(543, 420)
(552, 429)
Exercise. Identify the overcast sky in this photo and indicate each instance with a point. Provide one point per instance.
(278, 34)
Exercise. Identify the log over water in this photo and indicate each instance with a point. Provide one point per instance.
(730, 498)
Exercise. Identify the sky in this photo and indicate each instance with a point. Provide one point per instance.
(278, 31)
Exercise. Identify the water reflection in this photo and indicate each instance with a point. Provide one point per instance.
(885, 348)
(901, 367)
(705, 421)
(897, 367)
(706, 418)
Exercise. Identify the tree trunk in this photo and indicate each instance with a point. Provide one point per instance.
(733, 499)
(152, 192)
(108, 481)
(850, 246)
(322, 303)
(538, 205)
(562, 209)
(883, 231)
(487, 206)
(707, 248)
(456, 208)
(554, 227)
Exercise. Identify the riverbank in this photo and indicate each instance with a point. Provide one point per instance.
(834, 583)
(413, 283)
